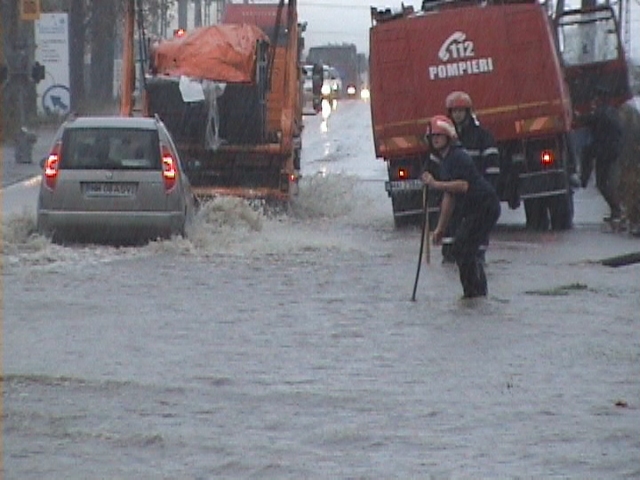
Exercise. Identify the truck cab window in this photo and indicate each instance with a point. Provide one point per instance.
(587, 39)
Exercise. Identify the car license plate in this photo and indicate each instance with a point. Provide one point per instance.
(109, 189)
(404, 185)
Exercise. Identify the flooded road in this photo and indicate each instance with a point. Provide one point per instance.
(288, 347)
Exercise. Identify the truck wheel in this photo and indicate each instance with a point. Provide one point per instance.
(561, 211)
(410, 202)
(536, 213)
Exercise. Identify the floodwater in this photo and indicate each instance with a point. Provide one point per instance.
(288, 346)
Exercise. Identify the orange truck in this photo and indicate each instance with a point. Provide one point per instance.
(527, 72)
(230, 95)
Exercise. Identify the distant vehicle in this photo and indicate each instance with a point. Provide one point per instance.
(344, 58)
(113, 178)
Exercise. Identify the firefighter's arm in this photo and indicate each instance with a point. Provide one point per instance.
(446, 209)
(450, 186)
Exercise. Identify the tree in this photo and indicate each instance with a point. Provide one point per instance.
(103, 21)
(157, 16)
(77, 39)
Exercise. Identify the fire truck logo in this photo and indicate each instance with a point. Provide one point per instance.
(456, 47)
(458, 58)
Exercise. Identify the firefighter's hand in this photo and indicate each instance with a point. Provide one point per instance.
(427, 179)
(436, 238)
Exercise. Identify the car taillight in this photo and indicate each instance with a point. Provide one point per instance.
(403, 173)
(52, 165)
(547, 158)
(169, 169)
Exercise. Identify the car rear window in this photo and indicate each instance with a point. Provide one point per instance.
(112, 148)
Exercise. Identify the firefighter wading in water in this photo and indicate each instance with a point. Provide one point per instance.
(481, 147)
(469, 197)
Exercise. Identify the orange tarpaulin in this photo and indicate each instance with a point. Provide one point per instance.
(224, 53)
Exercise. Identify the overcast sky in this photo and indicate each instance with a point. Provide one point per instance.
(338, 21)
(335, 21)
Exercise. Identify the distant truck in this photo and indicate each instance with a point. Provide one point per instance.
(231, 95)
(526, 73)
(344, 58)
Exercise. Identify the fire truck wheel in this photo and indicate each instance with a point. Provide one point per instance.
(411, 202)
(561, 211)
(537, 214)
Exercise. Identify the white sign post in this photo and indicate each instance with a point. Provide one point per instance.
(52, 51)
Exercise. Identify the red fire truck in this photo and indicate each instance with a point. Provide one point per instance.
(527, 73)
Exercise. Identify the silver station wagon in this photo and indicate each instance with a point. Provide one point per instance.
(114, 178)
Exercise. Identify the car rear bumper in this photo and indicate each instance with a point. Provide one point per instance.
(111, 224)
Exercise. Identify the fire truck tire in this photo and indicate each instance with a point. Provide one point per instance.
(561, 212)
(537, 214)
(296, 159)
(404, 203)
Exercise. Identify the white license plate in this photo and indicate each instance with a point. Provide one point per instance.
(109, 189)
(404, 185)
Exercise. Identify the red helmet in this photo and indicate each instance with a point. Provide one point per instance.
(458, 100)
(441, 125)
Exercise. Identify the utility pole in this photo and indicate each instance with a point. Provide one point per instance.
(18, 57)
(625, 5)
(163, 19)
(19, 80)
(219, 9)
(128, 67)
(218, 5)
(182, 13)
(197, 13)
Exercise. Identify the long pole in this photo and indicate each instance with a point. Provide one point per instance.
(128, 68)
(423, 238)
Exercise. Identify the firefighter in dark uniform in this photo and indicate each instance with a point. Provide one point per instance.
(480, 146)
(604, 149)
(468, 197)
